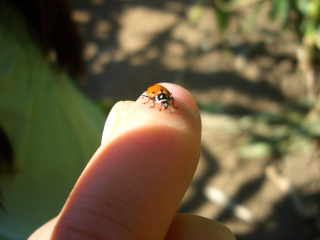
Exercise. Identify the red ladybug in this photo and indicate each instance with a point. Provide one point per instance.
(161, 95)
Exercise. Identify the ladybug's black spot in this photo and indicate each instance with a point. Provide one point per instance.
(162, 97)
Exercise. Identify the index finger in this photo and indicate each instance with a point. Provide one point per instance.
(133, 185)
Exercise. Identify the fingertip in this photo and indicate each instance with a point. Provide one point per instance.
(118, 111)
(183, 96)
(190, 227)
(45, 231)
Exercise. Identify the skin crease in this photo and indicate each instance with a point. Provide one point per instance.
(134, 183)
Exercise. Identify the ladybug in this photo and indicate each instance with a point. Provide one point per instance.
(161, 95)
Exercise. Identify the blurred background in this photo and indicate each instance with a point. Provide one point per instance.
(253, 67)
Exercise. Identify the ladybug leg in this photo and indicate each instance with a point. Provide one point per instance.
(149, 98)
(153, 102)
(143, 96)
(173, 103)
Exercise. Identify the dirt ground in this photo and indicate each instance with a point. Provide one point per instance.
(130, 45)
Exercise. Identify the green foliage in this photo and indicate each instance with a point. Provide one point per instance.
(275, 135)
(211, 107)
(222, 18)
(301, 16)
(310, 22)
(308, 12)
(280, 10)
(195, 13)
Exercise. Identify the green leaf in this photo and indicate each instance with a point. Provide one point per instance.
(313, 129)
(302, 6)
(309, 33)
(317, 37)
(255, 150)
(195, 13)
(314, 8)
(280, 10)
(222, 18)
(251, 20)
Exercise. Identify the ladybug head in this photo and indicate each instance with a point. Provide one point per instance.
(164, 100)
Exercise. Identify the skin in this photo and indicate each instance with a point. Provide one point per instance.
(134, 183)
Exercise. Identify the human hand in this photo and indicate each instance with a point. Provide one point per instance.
(134, 183)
